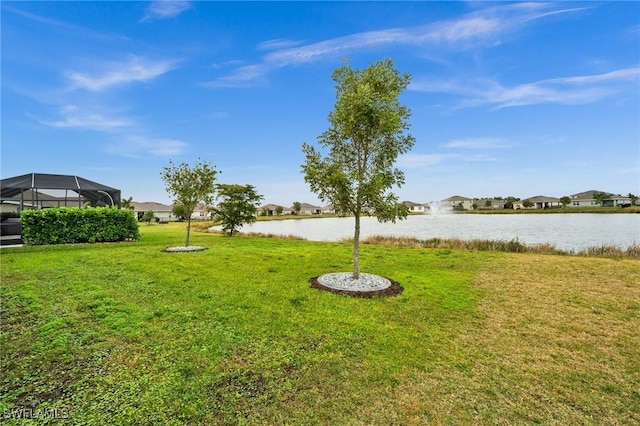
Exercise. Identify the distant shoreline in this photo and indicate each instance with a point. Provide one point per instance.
(569, 210)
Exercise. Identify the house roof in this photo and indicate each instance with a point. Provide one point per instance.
(270, 207)
(543, 199)
(307, 206)
(150, 205)
(587, 195)
(457, 198)
(411, 204)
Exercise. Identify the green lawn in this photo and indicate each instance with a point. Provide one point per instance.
(127, 334)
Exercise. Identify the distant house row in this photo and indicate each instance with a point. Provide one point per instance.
(583, 199)
(591, 198)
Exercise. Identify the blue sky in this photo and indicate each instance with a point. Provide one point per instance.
(518, 99)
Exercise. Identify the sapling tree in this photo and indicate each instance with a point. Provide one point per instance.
(368, 130)
(148, 217)
(600, 197)
(237, 205)
(190, 186)
(179, 211)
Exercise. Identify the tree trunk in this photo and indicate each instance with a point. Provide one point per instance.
(356, 249)
(186, 243)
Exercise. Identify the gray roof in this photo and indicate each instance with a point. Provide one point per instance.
(150, 206)
(543, 199)
(587, 195)
(457, 198)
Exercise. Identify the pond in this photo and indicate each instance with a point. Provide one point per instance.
(569, 231)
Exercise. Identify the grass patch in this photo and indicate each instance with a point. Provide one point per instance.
(507, 246)
(126, 334)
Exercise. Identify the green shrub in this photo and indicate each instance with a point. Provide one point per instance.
(75, 225)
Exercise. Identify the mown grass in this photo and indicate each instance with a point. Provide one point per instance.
(127, 334)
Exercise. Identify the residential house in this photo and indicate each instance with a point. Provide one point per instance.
(163, 212)
(415, 207)
(306, 208)
(457, 202)
(201, 212)
(587, 199)
(538, 202)
(489, 204)
(271, 210)
(329, 209)
(617, 201)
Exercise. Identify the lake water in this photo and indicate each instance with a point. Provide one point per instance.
(570, 231)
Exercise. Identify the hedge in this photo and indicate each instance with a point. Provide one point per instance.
(76, 225)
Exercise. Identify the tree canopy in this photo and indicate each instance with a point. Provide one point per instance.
(368, 130)
(190, 186)
(238, 205)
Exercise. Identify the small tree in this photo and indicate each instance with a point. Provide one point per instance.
(527, 203)
(238, 206)
(565, 201)
(599, 198)
(279, 210)
(297, 207)
(488, 203)
(367, 134)
(508, 202)
(180, 211)
(148, 217)
(190, 186)
(633, 198)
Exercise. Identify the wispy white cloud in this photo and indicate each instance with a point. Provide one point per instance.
(425, 161)
(113, 74)
(482, 28)
(60, 25)
(575, 90)
(138, 146)
(277, 44)
(142, 146)
(165, 9)
(249, 75)
(414, 160)
(479, 143)
(73, 117)
(469, 150)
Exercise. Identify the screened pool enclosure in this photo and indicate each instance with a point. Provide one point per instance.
(38, 190)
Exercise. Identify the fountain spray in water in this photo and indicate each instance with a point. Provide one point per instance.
(434, 208)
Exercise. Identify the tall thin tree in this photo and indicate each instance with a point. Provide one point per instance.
(368, 131)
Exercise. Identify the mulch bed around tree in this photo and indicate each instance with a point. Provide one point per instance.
(183, 249)
(393, 290)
